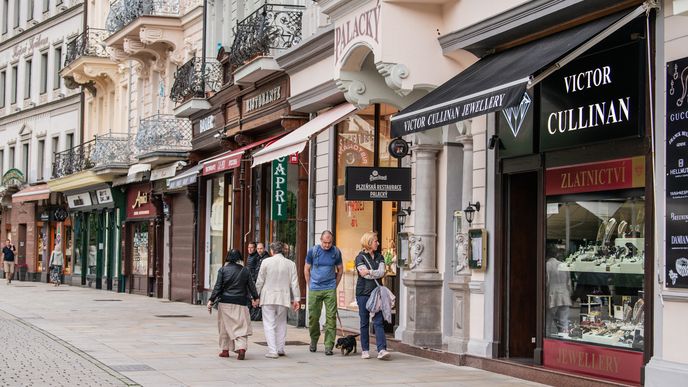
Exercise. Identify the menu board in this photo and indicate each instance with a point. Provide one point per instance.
(676, 265)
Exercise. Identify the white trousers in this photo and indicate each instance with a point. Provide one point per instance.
(275, 325)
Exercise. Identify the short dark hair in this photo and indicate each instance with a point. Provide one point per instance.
(233, 256)
(255, 244)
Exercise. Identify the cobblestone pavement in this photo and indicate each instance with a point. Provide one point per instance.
(31, 357)
(84, 337)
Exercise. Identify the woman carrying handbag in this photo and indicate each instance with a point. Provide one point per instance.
(56, 263)
(370, 265)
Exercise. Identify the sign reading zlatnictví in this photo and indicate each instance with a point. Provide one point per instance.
(594, 98)
(378, 184)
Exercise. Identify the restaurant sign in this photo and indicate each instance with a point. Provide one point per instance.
(378, 184)
(279, 189)
(593, 177)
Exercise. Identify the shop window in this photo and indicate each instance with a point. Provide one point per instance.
(362, 141)
(595, 270)
(68, 248)
(92, 249)
(78, 243)
(140, 249)
(42, 242)
(285, 230)
(214, 229)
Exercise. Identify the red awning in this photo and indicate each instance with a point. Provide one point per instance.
(231, 159)
(33, 193)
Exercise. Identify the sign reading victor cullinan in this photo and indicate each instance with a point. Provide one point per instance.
(378, 184)
(595, 98)
(676, 159)
(279, 189)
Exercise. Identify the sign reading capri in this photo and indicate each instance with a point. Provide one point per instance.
(378, 184)
(279, 189)
(594, 98)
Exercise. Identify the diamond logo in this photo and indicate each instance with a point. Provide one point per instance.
(515, 115)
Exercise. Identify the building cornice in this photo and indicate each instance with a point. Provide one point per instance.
(317, 98)
(530, 19)
(41, 109)
(338, 8)
(42, 26)
(309, 51)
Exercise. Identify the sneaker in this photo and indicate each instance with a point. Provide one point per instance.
(383, 355)
(314, 346)
(241, 354)
(224, 353)
(365, 355)
(328, 352)
(270, 355)
(281, 353)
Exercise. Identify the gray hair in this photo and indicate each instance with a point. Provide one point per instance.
(276, 247)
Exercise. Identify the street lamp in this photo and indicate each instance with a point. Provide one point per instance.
(402, 214)
(470, 211)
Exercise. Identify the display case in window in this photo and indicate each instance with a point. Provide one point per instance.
(595, 257)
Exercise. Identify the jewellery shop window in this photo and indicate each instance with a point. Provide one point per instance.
(594, 270)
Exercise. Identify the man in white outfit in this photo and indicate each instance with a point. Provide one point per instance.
(278, 287)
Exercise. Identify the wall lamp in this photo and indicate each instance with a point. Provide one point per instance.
(470, 211)
(402, 214)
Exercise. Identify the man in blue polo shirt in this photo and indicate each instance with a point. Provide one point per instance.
(323, 271)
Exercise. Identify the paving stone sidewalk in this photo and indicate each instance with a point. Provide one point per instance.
(85, 337)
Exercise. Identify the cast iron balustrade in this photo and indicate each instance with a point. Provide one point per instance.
(193, 80)
(271, 27)
(163, 133)
(123, 12)
(89, 43)
(105, 151)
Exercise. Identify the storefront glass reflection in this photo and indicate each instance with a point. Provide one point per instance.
(216, 192)
(140, 248)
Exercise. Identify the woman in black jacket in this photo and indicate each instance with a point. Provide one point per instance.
(232, 288)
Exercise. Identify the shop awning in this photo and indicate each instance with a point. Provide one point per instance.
(231, 159)
(498, 81)
(295, 141)
(138, 168)
(185, 178)
(167, 171)
(33, 193)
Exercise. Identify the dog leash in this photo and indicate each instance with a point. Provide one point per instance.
(341, 326)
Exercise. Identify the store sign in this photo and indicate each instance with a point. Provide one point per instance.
(263, 99)
(378, 184)
(79, 200)
(279, 189)
(515, 128)
(13, 177)
(595, 98)
(139, 202)
(363, 26)
(594, 360)
(676, 161)
(206, 123)
(104, 196)
(593, 177)
(224, 163)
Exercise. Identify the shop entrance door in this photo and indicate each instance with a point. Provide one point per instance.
(521, 268)
(20, 260)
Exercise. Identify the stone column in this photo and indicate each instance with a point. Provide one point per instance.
(460, 278)
(423, 282)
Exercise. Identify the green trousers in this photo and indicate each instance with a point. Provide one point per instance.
(316, 298)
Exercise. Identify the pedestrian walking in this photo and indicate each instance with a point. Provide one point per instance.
(56, 262)
(323, 271)
(370, 265)
(253, 266)
(278, 287)
(8, 252)
(233, 286)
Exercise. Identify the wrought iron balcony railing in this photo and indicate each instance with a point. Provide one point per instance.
(123, 12)
(109, 150)
(271, 27)
(163, 133)
(195, 77)
(89, 43)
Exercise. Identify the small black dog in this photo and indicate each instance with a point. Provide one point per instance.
(347, 344)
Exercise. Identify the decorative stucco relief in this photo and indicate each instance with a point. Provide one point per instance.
(394, 74)
(416, 250)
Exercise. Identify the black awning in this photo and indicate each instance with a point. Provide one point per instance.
(494, 82)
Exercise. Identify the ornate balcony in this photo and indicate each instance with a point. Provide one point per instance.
(163, 138)
(87, 61)
(148, 30)
(105, 152)
(192, 81)
(260, 36)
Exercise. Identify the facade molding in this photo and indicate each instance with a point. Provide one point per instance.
(41, 109)
(309, 51)
(317, 98)
(42, 26)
